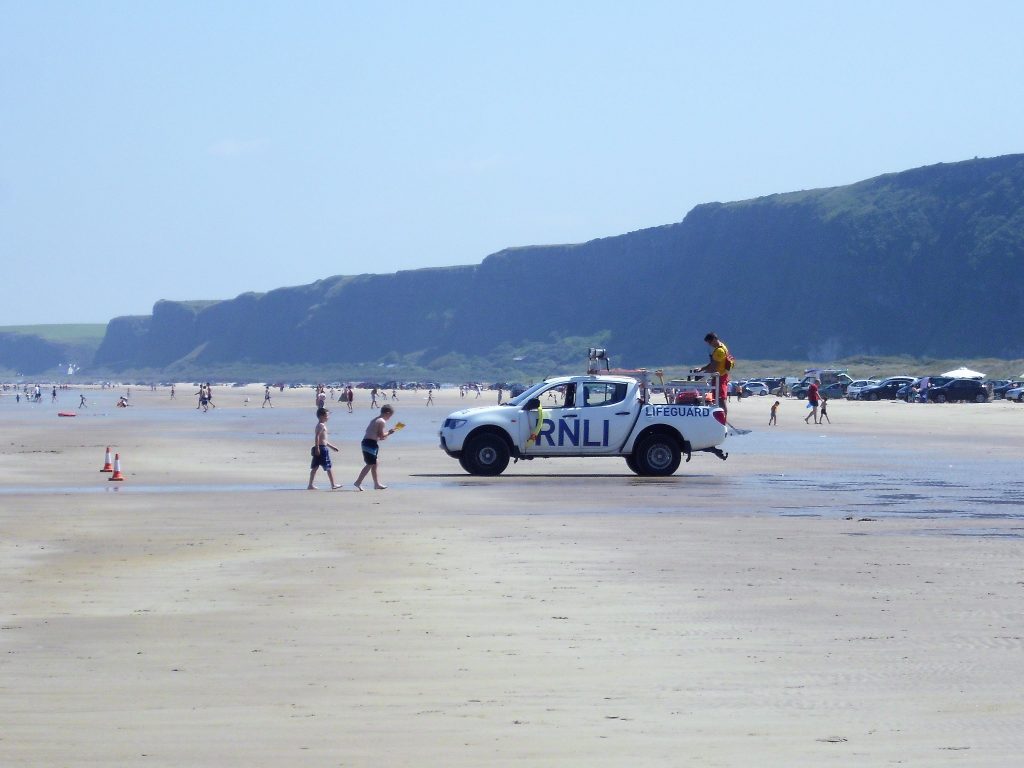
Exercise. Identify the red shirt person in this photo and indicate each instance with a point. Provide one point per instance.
(813, 398)
(718, 364)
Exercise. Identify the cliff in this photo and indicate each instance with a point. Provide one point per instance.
(922, 262)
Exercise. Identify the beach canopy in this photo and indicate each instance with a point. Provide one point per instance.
(964, 373)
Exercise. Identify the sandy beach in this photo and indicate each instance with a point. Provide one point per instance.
(843, 595)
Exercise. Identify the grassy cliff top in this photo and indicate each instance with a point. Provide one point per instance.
(75, 333)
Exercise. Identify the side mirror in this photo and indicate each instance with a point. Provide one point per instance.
(532, 404)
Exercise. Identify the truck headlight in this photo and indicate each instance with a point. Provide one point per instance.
(454, 423)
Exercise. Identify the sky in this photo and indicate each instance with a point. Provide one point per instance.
(197, 150)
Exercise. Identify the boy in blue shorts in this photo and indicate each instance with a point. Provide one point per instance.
(321, 450)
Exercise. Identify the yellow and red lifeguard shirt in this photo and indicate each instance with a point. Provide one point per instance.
(718, 357)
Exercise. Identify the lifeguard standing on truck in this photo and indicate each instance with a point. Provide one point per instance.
(721, 363)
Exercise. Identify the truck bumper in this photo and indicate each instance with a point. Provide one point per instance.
(449, 451)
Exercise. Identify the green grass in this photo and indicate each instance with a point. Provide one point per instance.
(79, 333)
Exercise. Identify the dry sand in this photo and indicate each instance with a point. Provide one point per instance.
(845, 595)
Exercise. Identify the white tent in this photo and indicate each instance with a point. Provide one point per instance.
(964, 373)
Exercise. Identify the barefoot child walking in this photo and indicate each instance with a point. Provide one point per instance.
(321, 450)
(375, 433)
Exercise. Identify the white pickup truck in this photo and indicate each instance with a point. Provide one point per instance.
(583, 416)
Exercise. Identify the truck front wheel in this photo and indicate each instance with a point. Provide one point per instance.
(631, 463)
(657, 455)
(485, 454)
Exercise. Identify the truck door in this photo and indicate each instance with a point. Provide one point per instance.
(560, 434)
(606, 416)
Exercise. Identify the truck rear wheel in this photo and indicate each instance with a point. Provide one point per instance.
(631, 463)
(485, 454)
(657, 455)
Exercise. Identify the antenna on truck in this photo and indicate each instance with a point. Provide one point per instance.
(594, 357)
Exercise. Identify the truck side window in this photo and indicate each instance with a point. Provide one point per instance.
(603, 393)
(562, 396)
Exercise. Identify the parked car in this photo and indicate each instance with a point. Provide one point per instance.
(959, 390)
(833, 391)
(886, 389)
(773, 383)
(853, 391)
(755, 388)
(1001, 386)
(926, 384)
(1017, 393)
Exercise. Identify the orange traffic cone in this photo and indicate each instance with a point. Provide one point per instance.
(106, 462)
(117, 468)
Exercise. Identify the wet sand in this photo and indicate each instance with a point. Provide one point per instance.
(845, 595)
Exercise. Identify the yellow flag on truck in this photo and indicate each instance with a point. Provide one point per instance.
(540, 423)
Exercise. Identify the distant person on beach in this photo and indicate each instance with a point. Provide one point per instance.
(350, 395)
(209, 395)
(813, 399)
(774, 418)
(375, 434)
(717, 364)
(172, 391)
(321, 451)
(373, 397)
(266, 397)
(430, 397)
(53, 397)
(823, 415)
(81, 402)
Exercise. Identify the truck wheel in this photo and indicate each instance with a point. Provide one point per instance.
(485, 454)
(631, 463)
(658, 455)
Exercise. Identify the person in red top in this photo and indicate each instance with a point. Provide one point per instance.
(719, 356)
(813, 399)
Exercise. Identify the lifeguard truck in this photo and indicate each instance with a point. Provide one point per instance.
(591, 415)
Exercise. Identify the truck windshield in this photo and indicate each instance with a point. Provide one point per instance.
(531, 392)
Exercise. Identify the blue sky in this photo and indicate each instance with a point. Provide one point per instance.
(196, 150)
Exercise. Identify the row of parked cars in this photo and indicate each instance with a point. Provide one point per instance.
(931, 389)
(935, 389)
